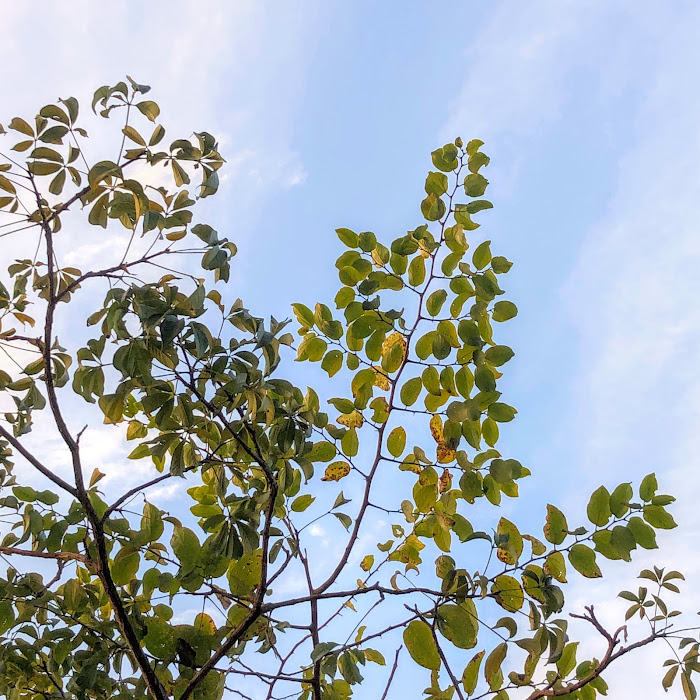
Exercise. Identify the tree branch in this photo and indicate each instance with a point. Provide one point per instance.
(37, 464)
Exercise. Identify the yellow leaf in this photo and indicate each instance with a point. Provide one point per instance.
(23, 318)
(445, 521)
(445, 483)
(425, 253)
(205, 624)
(352, 420)
(336, 471)
(350, 605)
(445, 454)
(367, 563)
(380, 379)
(376, 259)
(392, 340)
(436, 429)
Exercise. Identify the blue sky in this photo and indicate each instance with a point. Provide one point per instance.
(327, 113)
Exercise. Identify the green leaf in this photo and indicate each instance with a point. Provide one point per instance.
(504, 311)
(509, 551)
(332, 362)
(508, 593)
(433, 208)
(348, 237)
(567, 661)
(458, 624)
(151, 523)
(598, 509)
(416, 271)
(658, 517)
(101, 171)
(484, 379)
(475, 185)
(185, 546)
(623, 541)
(501, 412)
(410, 391)
(556, 528)
(396, 442)
(470, 677)
(582, 558)
(620, 499)
(648, 487)
(322, 451)
(134, 135)
(18, 124)
(149, 109)
(25, 493)
(482, 255)
(244, 575)
(492, 667)
(434, 302)
(348, 668)
(301, 503)
(304, 315)
(644, 534)
(445, 158)
(54, 134)
(420, 643)
(125, 567)
(436, 183)
(321, 649)
(555, 565)
(498, 355)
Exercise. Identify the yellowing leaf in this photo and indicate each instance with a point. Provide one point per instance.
(509, 552)
(556, 528)
(420, 643)
(396, 442)
(436, 429)
(367, 563)
(336, 471)
(204, 624)
(445, 454)
(380, 379)
(394, 339)
(376, 259)
(445, 483)
(352, 420)
(508, 593)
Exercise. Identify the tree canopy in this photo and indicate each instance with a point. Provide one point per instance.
(104, 594)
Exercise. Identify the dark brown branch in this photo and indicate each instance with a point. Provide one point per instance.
(138, 489)
(392, 674)
(256, 609)
(374, 588)
(610, 656)
(37, 464)
(58, 556)
(102, 565)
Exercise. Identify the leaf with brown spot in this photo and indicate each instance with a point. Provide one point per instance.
(445, 483)
(436, 429)
(445, 454)
(336, 471)
(351, 420)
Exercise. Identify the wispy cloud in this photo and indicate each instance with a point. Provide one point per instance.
(631, 294)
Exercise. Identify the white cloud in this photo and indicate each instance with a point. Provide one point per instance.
(235, 69)
(633, 293)
(634, 297)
